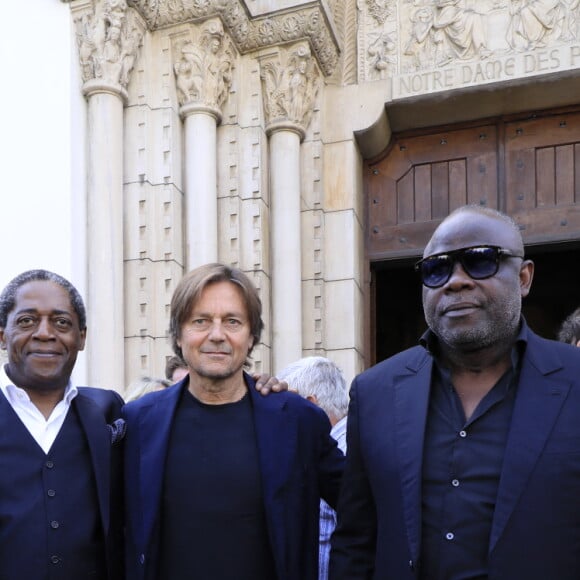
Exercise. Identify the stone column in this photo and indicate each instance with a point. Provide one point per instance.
(290, 84)
(109, 35)
(203, 73)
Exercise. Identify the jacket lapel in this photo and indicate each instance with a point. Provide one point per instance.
(99, 442)
(154, 427)
(538, 403)
(411, 404)
(276, 443)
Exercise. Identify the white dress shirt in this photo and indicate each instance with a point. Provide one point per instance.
(43, 430)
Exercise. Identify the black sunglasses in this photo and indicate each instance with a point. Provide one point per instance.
(479, 262)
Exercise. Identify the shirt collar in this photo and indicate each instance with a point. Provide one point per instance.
(430, 342)
(12, 392)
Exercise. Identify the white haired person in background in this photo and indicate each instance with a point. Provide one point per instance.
(321, 381)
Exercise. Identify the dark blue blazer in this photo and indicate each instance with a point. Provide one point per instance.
(299, 463)
(536, 526)
(97, 409)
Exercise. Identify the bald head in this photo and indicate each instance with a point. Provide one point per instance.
(472, 225)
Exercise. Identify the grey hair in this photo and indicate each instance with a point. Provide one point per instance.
(8, 296)
(321, 377)
(145, 385)
(570, 330)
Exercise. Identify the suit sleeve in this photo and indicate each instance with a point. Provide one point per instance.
(330, 466)
(354, 540)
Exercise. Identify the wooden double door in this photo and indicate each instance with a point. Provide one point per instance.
(527, 166)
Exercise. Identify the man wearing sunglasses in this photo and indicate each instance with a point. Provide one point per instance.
(464, 451)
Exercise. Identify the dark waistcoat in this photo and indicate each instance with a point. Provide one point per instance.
(50, 527)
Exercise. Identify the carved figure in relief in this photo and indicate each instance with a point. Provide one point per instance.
(421, 38)
(571, 20)
(108, 42)
(290, 91)
(188, 74)
(204, 71)
(459, 32)
(534, 22)
(298, 84)
(87, 47)
(218, 65)
(382, 54)
(131, 44)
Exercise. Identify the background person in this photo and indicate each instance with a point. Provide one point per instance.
(60, 458)
(570, 330)
(175, 369)
(222, 482)
(145, 385)
(463, 452)
(320, 381)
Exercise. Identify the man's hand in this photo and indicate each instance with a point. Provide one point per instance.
(265, 384)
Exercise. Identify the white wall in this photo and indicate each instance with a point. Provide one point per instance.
(42, 122)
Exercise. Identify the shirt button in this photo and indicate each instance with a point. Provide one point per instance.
(449, 536)
(54, 524)
(55, 559)
(455, 482)
(142, 559)
(51, 493)
(49, 464)
(462, 433)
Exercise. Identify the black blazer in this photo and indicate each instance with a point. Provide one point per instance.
(536, 527)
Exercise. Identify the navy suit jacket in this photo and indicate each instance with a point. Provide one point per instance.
(97, 409)
(299, 463)
(536, 526)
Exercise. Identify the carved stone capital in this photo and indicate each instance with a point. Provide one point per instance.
(203, 63)
(311, 22)
(290, 83)
(109, 34)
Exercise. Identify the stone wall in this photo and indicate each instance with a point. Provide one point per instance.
(217, 94)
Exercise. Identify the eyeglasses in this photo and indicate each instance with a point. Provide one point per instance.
(479, 262)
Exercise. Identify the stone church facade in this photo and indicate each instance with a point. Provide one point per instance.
(250, 132)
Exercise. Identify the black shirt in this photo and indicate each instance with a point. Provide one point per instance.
(462, 463)
(213, 525)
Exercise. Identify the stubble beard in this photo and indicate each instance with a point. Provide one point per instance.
(486, 333)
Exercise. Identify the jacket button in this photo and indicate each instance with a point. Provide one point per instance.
(142, 559)
(54, 559)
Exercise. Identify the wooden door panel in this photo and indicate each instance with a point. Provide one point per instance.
(421, 180)
(549, 225)
(423, 186)
(542, 184)
(564, 164)
(425, 177)
(545, 177)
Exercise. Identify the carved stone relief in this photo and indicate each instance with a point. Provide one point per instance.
(309, 23)
(109, 37)
(406, 36)
(344, 15)
(203, 65)
(290, 84)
